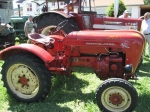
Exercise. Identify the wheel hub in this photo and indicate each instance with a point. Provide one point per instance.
(115, 99)
(23, 80)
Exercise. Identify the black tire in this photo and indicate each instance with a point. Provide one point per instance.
(11, 39)
(53, 20)
(116, 95)
(26, 78)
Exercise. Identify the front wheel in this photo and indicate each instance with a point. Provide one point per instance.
(26, 78)
(116, 95)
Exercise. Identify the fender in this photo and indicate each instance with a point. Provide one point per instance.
(29, 48)
(56, 12)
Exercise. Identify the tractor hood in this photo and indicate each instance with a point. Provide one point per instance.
(107, 38)
(108, 34)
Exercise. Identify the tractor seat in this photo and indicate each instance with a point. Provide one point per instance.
(41, 38)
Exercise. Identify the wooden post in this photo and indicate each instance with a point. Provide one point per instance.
(46, 5)
(58, 4)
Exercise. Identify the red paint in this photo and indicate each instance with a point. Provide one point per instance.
(113, 67)
(23, 80)
(29, 48)
(115, 99)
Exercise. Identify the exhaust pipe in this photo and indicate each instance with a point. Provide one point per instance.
(19, 10)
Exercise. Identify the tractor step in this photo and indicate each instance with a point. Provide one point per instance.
(57, 69)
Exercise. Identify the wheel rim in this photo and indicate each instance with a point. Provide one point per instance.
(22, 81)
(116, 99)
(47, 30)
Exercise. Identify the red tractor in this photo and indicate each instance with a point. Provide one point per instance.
(112, 54)
(76, 39)
(82, 15)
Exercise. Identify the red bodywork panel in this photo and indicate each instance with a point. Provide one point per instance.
(98, 22)
(29, 48)
(117, 23)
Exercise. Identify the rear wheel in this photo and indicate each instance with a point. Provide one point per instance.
(47, 30)
(116, 95)
(53, 20)
(26, 78)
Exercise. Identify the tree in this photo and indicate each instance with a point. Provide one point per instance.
(147, 2)
(110, 9)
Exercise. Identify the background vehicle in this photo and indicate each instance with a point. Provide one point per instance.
(17, 23)
(7, 37)
(112, 54)
(83, 17)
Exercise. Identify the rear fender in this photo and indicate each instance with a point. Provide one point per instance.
(26, 48)
(55, 12)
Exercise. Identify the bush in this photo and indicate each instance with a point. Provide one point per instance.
(146, 2)
(110, 9)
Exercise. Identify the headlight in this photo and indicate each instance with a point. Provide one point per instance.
(128, 69)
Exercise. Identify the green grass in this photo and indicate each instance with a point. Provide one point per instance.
(76, 93)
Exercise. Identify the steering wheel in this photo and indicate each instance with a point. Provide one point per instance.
(59, 26)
